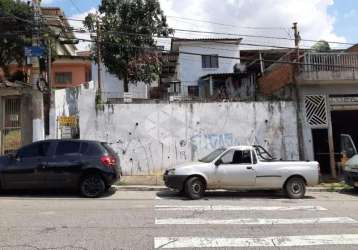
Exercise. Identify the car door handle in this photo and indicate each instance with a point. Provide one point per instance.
(249, 167)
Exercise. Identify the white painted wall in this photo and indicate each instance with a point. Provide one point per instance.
(112, 87)
(190, 66)
(152, 137)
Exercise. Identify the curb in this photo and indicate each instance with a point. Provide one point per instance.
(163, 188)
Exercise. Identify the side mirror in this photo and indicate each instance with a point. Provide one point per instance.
(218, 162)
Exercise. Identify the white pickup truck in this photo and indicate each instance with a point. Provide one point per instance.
(242, 168)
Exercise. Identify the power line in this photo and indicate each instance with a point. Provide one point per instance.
(255, 36)
(229, 57)
(227, 34)
(225, 24)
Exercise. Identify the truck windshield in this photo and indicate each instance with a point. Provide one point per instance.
(262, 154)
(213, 155)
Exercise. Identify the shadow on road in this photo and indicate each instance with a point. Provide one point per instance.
(353, 192)
(53, 193)
(217, 195)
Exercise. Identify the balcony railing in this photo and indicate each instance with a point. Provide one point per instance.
(338, 62)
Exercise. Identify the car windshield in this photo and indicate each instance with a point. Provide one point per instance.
(262, 154)
(213, 155)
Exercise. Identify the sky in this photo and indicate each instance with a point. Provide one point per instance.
(331, 20)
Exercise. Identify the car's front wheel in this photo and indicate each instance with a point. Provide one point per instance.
(295, 188)
(195, 188)
(92, 186)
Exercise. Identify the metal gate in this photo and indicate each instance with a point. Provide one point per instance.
(11, 132)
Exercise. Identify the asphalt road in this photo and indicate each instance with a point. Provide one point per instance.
(148, 220)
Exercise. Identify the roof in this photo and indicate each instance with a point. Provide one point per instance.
(16, 84)
(232, 41)
(55, 18)
(219, 74)
(206, 39)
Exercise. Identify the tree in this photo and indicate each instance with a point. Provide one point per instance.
(127, 31)
(321, 46)
(15, 31)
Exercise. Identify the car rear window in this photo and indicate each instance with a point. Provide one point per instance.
(108, 148)
(67, 147)
(91, 149)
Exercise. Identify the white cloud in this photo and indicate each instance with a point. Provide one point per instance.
(313, 19)
(47, 2)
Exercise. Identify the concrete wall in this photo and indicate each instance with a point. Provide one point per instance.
(152, 137)
(190, 66)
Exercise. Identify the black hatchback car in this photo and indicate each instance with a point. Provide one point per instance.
(90, 166)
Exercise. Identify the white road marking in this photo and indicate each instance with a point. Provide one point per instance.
(281, 241)
(254, 221)
(236, 208)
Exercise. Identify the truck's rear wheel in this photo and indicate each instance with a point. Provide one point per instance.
(195, 188)
(295, 188)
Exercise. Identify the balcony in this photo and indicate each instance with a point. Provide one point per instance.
(326, 68)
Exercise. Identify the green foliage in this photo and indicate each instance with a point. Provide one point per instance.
(321, 46)
(127, 29)
(15, 31)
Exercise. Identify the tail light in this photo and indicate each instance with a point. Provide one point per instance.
(108, 161)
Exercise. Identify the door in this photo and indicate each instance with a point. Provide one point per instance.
(64, 167)
(26, 168)
(236, 169)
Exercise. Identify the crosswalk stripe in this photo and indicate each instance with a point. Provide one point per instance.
(236, 208)
(281, 241)
(254, 221)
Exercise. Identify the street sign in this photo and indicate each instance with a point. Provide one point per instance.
(70, 121)
(34, 51)
(66, 133)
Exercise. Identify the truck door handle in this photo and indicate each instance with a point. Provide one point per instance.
(248, 167)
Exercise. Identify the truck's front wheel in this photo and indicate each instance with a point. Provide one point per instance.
(194, 188)
(295, 188)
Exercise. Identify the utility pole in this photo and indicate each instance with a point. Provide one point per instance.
(297, 94)
(38, 132)
(35, 67)
(98, 31)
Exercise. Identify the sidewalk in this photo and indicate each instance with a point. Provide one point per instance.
(155, 183)
(320, 188)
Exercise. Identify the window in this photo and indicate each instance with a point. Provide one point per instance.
(67, 147)
(237, 157)
(210, 61)
(228, 157)
(242, 157)
(93, 149)
(34, 150)
(193, 90)
(63, 77)
(212, 156)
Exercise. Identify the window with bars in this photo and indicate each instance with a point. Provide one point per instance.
(210, 61)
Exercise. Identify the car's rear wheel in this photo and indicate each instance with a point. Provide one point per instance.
(92, 186)
(295, 188)
(195, 188)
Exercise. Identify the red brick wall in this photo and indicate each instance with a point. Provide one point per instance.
(275, 79)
